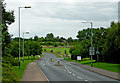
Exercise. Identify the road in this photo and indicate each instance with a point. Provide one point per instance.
(70, 73)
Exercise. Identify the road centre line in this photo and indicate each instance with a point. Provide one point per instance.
(86, 80)
(73, 74)
(79, 77)
(69, 72)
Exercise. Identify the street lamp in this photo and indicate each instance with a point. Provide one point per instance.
(23, 43)
(91, 23)
(19, 28)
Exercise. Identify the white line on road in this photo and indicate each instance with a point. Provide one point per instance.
(67, 69)
(86, 80)
(69, 72)
(64, 70)
(79, 77)
(73, 74)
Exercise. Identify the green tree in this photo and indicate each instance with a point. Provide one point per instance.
(7, 19)
(35, 38)
(49, 37)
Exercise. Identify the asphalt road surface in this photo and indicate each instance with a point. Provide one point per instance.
(66, 72)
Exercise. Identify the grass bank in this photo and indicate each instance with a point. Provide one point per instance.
(20, 71)
(58, 51)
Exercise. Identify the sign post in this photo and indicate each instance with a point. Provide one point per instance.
(91, 52)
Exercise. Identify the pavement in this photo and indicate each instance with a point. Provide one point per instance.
(33, 73)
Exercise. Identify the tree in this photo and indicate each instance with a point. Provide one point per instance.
(49, 37)
(35, 38)
(7, 19)
(111, 47)
(70, 39)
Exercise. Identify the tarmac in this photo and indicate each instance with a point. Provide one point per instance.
(34, 73)
(106, 73)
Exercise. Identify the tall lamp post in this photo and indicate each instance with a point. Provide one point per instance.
(19, 28)
(23, 43)
(91, 48)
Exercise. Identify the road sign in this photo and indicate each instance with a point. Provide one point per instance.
(97, 52)
(91, 51)
(78, 57)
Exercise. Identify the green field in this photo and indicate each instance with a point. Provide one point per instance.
(57, 51)
(20, 71)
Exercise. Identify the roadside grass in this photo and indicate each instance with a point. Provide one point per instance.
(42, 55)
(20, 71)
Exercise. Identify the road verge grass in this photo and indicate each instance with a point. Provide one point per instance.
(20, 71)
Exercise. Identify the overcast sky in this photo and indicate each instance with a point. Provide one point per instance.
(61, 17)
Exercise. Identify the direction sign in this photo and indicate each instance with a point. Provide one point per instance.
(78, 57)
(91, 51)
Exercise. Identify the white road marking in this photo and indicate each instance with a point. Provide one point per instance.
(79, 77)
(69, 72)
(73, 74)
(67, 69)
(86, 80)
(64, 70)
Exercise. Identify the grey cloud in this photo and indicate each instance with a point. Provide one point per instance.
(78, 11)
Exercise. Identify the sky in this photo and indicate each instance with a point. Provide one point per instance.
(61, 17)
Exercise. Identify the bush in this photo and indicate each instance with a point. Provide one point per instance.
(10, 60)
(44, 49)
(55, 45)
(8, 75)
(51, 50)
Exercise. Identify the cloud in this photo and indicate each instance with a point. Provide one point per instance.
(61, 18)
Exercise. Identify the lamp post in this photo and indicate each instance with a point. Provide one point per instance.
(19, 28)
(23, 43)
(91, 23)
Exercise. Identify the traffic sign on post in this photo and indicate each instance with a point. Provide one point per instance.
(91, 51)
(79, 58)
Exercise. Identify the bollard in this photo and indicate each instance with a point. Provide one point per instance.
(58, 62)
(51, 60)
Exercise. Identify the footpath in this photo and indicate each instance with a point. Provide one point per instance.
(34, 74)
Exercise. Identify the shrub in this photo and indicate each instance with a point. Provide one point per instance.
(44, 49)
(8, 75)
(51, 50)
(55, 45)
(10, 60)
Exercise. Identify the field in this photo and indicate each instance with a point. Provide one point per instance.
(58, 51)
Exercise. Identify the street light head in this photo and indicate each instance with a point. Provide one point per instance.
(84, 21)
(27, 32)
(27, 7)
